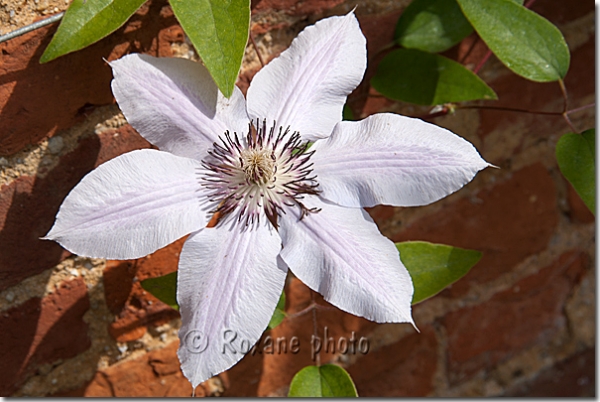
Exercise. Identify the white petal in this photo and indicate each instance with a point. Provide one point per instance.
(340, 253)
(175, 104)
(392, 159)
(228, 285)
(131, 206)
(306, 86)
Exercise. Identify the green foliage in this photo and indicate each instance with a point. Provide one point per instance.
(576, 156)
(524, 41)
(329, 380)
(219, 31)
(347, 113)
(427, 79)
(279, 313)
(86, 22)
(432, 267)
(164, 288)
(432, 25)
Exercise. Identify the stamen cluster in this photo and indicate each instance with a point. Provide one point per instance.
(267, 169)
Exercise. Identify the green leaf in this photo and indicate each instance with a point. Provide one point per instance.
(86, 22)
(524, 41)
(279, 313)
(347, 113)
(432, 267)
(164, 288)
(432, 25)
(329, 380)
(427, 79)
(219, 31)
(576, 156)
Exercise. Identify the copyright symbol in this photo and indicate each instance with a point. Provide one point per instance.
(195, 341)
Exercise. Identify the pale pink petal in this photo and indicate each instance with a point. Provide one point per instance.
(175, 104)
(392, 159)
(131, 206)
(306, 86)
(340, 253)
(228, 284)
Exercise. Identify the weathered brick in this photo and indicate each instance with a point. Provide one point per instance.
(508, 222)
(573, 377)
(42, 331)
(156, 374)
(560, 12)
(135, 308)
(28, 205)
(68, 86)
(244, 377)
(294, 7)
(578, 211)
(530, 312)
(404, 368)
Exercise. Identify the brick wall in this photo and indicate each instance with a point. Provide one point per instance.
(521, 323)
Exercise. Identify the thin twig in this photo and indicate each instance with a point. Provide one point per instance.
(482, 61)
(563, 89)
(508, 109)
(307, 309)
(578, 109)
(471, 48)
(262, 62)
(568, 120)
(31, 27)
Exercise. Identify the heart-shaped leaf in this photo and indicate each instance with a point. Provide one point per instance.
(432, 25)
(423, 78)
(576, 156)
(432, 267)
(329, 380)
(524, 41)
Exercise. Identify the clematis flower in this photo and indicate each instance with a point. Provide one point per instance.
(281, 206)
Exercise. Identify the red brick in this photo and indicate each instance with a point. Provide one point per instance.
(404, 368)
(279, 369)
(573, 377)
(509, 222)
(28, 205)
(42, 331)
(560, 12)
(156, 374)
(68, 86)
(294, 7)
(244, 377)
(135, 308)
(118, 281)
(531, 312)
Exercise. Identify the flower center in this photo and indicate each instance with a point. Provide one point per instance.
(258, 165)
(267, 170)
